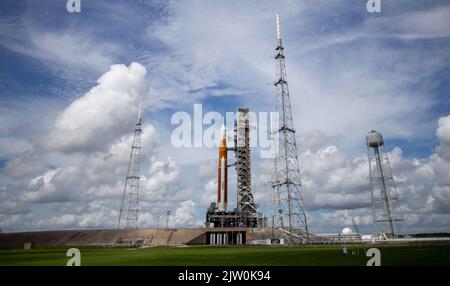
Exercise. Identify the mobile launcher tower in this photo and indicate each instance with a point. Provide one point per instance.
(384, 193)
(245, 214)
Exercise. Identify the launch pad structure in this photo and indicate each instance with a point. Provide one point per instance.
(244, 223)
(245, 214)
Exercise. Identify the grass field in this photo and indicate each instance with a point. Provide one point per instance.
(257, 256)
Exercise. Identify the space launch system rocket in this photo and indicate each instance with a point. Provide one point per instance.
(222, 192)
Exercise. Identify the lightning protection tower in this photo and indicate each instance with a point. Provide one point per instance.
(129, 210)
(288, 205)
(383, 189)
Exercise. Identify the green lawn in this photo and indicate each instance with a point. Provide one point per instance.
(258, 256)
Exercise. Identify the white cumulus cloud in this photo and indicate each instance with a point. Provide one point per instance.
(107, 111)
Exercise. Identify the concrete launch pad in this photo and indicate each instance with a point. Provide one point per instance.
(135, 237)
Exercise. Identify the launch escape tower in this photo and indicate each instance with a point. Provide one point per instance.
(288, 205)
(129, 210)
(245, 214)
(383, 190)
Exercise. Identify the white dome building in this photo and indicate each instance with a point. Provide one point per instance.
(347, 231)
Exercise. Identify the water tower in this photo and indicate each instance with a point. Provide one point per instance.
(383, 190)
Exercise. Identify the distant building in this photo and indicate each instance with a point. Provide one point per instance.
(346, 235)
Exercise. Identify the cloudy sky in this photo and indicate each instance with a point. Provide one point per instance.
(70, 86)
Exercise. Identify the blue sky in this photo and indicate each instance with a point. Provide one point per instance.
(63, 131)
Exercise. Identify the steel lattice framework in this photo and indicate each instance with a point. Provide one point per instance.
(383, 189)
(129, 210)
(246, 202)
(288, 204)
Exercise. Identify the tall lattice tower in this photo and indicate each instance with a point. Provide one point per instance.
(129, 210)
(383, 189)
(288, 205)
(243, 163)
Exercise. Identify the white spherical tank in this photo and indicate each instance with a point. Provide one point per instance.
(347, 231)
(374, 139)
